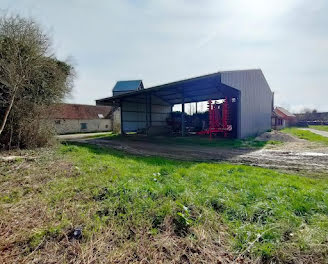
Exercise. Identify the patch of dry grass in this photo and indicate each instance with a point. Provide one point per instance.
(34, 229)
(22, 213)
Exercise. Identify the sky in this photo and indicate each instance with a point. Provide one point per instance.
(167, 40)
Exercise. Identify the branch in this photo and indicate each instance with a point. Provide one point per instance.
(4, 121)
(5, 83)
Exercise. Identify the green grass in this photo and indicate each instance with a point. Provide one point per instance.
(322, 128)
(264, 213)
(198, 141)
(285, 210)
(308, 135)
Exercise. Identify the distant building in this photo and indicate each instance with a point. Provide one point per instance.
(282, 118)
(122, 87)
(76, 118)
(312, 118)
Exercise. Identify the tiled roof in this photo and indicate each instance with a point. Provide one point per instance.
(284, 113)
(77, 111)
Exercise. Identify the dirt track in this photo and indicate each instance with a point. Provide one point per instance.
(80, 135)
(291, 156)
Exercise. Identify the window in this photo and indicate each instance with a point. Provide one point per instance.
(57, 122)
(84, 126)
(100, 115)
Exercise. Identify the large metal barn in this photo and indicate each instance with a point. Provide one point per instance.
(147, 110)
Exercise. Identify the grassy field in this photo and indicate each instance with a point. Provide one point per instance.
(308, 135)
(133, 209)
(323, 128)
(196, 140)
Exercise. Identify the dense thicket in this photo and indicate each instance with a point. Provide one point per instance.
(31, 79)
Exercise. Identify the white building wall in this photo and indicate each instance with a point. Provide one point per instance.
(70, 126)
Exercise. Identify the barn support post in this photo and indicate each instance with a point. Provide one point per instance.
(121, 113)
(183, 116)
(196, 109)
(147, 114)
(239, 135)
(150, 109)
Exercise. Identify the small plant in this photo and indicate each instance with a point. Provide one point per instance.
(182, 221)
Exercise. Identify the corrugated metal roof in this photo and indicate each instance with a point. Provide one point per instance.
(77, 111)
(132, 85)
(196, 83)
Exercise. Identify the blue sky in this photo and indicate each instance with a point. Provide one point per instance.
(167, 40)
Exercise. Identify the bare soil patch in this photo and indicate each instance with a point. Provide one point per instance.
(277, 136)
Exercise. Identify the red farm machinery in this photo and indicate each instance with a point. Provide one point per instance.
(219, 119)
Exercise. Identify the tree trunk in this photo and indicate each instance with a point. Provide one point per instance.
(11, 132)
(4, 121)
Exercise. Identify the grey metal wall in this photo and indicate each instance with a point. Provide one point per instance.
(255, 101)
(160, 111)
(135, 115)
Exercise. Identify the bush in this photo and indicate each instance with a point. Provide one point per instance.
(31, 80)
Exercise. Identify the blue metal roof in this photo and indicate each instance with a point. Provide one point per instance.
(201, 88)
(133, 85)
